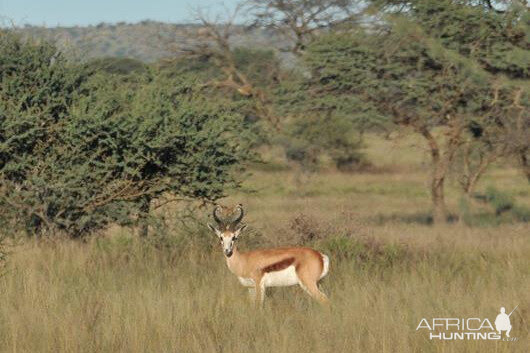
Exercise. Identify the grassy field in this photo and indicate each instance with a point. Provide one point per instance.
(389, 269)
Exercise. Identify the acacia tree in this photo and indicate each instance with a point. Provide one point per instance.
(494, 34)
(503, 131)
(319, 127)
(244, 73)
(423, 70)
(161, 138)
(256, 80)
(300, 20)
(517, 128)
(411, 79)
(77, 162)
(36, 89)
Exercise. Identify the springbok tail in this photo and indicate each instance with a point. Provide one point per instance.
(325, 269)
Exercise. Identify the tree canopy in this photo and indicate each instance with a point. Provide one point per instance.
(424, 70)
(78, 152)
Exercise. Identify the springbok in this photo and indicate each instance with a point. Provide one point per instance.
(277, 267)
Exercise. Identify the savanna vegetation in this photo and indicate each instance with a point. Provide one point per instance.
(391, 135)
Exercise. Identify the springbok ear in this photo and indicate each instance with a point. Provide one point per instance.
(240, 229)
(213, 228)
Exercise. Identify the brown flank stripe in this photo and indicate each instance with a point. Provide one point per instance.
(278, 266)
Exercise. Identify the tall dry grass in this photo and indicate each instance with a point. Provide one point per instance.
(125, 295)
(173, 293)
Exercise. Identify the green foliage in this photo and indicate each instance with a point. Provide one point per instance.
(322, 125)
(313, 135)
(81, 147)
(34, 81)
(36, 89)
(522, 213)
(260, 67)
(432, 61)
(499, 200)
(162, 131)
(367, 252)
(404, 73)
(497, 41)
(503, 203)
(119, 66)
(78, 153)
(437, 64)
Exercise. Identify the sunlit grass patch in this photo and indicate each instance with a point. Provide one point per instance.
(74, 296)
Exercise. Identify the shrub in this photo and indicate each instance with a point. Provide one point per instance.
(504, 204)
(308, 137)
(499, 200)
(78, 152)
(119, 66)
(366, 251)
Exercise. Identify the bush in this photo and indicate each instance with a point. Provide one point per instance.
(367, 251)
(504, 205)
(119, 66)
(499, 200)
(352, 240)
(311, 136)
(79, 152)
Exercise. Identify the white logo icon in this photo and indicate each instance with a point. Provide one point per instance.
(470, 328)
(502, 322)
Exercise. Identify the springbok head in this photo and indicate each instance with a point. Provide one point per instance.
(228, 230)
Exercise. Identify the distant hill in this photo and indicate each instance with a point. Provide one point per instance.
(147, 41)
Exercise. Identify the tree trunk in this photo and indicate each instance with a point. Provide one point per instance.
(145, 205)
(471, 177)
(438, 199)
(466, 204)
(439, 215)
(441, 163)
(525, 163)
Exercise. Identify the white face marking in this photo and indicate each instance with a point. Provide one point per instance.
(227, 239)
(227, 242)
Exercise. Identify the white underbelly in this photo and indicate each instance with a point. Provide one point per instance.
(285, 277)
(247, 282)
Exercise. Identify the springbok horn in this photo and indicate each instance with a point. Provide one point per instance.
(241, 214)
(215, 216)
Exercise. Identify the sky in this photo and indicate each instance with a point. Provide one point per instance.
(51, 13)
